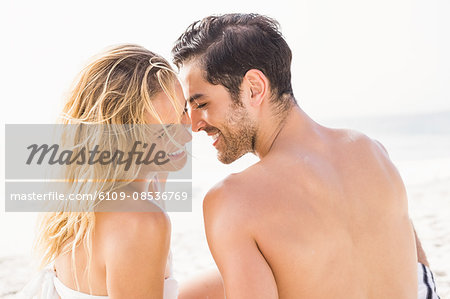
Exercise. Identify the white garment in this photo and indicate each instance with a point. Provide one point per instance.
(47, 286)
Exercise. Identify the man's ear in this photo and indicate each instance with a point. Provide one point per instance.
(258, 84)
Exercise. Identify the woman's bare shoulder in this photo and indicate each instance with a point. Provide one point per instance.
(132, 230)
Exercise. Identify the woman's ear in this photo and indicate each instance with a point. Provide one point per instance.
(258, 85)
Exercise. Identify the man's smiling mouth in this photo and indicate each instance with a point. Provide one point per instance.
(215, 138)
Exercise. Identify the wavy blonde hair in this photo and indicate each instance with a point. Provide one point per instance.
(115, 88)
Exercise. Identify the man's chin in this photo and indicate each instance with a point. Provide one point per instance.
(225, 160)
(228, 158)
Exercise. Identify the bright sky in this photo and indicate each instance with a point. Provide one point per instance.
(351, 57)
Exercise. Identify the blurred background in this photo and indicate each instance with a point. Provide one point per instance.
(381, 67)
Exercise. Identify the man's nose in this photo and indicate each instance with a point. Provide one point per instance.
(197, 122)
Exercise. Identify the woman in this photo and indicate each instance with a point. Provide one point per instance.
(86, 251)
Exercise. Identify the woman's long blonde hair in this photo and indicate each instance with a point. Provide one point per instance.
(115, 88)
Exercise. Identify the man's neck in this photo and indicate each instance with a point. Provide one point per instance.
(269, 130)
(275, 132)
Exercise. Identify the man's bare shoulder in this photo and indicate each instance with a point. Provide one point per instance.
(352, 137)
(358, 143)
(358, 149)
(225, 193)
(234, 196)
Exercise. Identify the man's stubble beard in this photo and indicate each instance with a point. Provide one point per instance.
(239, 136)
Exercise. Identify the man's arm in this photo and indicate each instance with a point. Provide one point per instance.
(244, 270)
(207, 284)
(421, 257)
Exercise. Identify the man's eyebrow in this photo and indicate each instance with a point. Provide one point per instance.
(194, 97)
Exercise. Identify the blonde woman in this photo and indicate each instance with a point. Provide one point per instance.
(89, 253)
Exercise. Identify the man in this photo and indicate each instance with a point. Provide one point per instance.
(324, 213)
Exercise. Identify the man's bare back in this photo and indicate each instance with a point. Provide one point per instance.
(323, 215)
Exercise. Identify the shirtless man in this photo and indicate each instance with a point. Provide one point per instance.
(324, 212)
